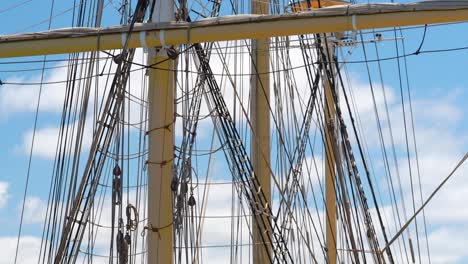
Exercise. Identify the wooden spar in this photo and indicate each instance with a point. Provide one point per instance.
(161, 89)
(330, 127)
(260, 144)
(332, 19)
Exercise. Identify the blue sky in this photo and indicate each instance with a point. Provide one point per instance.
(438, 86)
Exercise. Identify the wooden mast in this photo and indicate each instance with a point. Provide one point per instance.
(330, 162)
(161, 90)
(260, 143)
(327, 47)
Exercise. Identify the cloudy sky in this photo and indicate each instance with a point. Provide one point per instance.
(439, 90)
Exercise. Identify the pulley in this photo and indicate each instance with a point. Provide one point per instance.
(122, 248)
(174, 184)
(117, 184)
(117, 171)
(118, 58)
(172, 53)
(128, 238)
(183, 188)
(191, 201)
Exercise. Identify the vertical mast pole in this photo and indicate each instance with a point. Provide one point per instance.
(160, 144)
(330, 121)
(260, 143)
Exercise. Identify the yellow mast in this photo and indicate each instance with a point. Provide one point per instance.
(161, 90)
(260, 144)
(329, 125)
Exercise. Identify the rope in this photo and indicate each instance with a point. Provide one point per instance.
(426, 202)
(155, 229)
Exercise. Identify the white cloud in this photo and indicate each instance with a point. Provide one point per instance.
(18, 98)
(4, 194)
(46, 140)
(361, 97)
(448, 244)
(28, 250)
(35, 210)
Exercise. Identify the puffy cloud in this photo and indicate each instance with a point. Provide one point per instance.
(19, 99)
(35, 210)
(46, 140)
(448, 244)
(28, 252)
(4, 194)
(16, 99)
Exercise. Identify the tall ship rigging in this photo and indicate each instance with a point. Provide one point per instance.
(235, 131)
